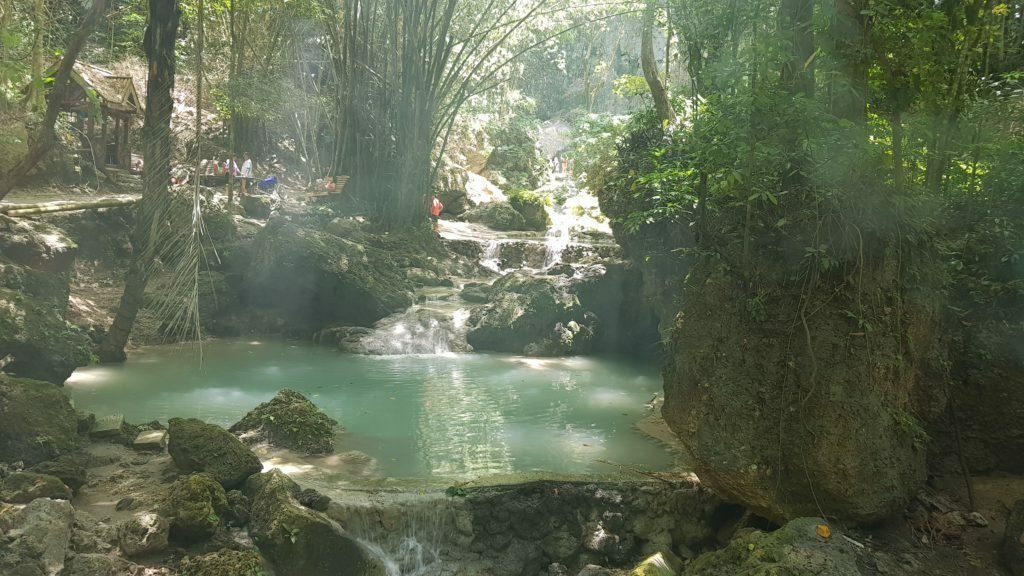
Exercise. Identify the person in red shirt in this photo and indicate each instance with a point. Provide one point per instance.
(435, 209)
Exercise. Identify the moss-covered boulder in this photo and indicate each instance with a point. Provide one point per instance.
(288, 420)
(70, 472)
(35, 279)
(196, 446)
(533, 207)
(663, 563)
(223, 563)
(535, 315)
(38, 422)
(24, 487)
(194, 504)
(298, 541)
(796, 549)
(496, 216)
(313, 279)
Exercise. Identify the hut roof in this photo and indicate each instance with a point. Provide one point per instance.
(116, 93)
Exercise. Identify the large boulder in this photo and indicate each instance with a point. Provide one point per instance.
(315, 279)
(535, 315)
(196, 446)
(533, 207)
(796, 549)
(497, 216)
(70, 472)
(450, 186)
(288, 420)
(24, 487)
(1013, 540)
(37, 537)
(588, 310)
(194, 505)
(790, 423)
(298, 541)
(38, 422)
(223, 563)
(95, 565)
(35, 280)
(145, 533)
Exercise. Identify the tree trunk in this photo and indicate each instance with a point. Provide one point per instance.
(156, 138)
(662, 104)
(795, 26)
(37, 98)
(42, 141)
(70, 206)
(849, 32)
(896, 121)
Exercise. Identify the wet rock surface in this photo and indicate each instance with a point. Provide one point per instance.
(39, 423)
(35, 280)
(313, 279)
(197, 446)
(288, 420)
(298, 541)
(24, 487)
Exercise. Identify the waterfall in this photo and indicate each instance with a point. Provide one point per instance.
(436, 327)
(557, 238)
(490, 257)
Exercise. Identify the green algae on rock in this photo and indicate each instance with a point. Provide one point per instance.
(194, 504)
(24, 487)
(39, 423)
(288, 420)
(196, 446)
(223, 563)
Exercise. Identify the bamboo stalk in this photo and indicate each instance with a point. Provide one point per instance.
(16, 210)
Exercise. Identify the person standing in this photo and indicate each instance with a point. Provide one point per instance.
(246, 175)
(435, 210)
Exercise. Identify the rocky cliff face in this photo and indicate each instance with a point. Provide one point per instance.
(36, 341)
(795, 399)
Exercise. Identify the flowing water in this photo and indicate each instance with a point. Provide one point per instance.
(453, 416)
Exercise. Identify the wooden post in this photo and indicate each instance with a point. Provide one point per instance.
(128, 143)
(105, 149)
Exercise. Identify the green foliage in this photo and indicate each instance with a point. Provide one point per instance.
(515, 155)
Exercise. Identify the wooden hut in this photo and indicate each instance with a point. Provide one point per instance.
(103, 107)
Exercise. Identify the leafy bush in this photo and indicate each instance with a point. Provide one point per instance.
(515, 155)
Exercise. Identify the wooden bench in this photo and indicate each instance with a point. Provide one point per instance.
(339, 185)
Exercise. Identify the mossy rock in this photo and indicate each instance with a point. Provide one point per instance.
(223, 563)
(194, 504)
(796, 549)
(314, 280)
(39, 423)
(288, 420)
(298, 541)
(24, 487)
(662, 563)
(533, 207)
(70, 472)
(196, 446)
(497, 216)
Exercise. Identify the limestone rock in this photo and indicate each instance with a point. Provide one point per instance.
(1013, 540)
(257, 206)
(288, 420)
(450, 186)
(595, 570)
(95, 565)
(24, 487)
(35, 280)
(662, 563)
(37, 537)
(151, 441)
(38, 421)
(143, 534)
(497, 216)
(298, 541)
(194, 505)
(108, 427)
(72, 474)
(90, 536)
(314, 279)
(196, 446)
(854, 449)
(795, 550)
(223, 563)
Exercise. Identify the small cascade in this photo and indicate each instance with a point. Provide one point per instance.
(490, 256)
(435, 327)
(407, 544)
(411, 558)
(557, 238)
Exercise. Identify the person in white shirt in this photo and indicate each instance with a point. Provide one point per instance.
(246, 173)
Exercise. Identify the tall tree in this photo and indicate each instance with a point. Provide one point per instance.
(43, 138)
(662, 103)
(154, 208)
